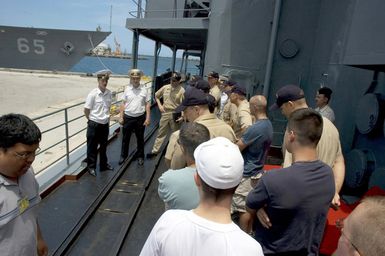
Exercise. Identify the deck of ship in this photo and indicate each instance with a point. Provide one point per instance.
(111, 214)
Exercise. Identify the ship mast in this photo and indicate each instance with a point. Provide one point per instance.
(110, 16)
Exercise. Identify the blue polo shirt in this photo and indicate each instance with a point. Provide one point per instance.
(258, 139)
(177, 189)
(297, 200)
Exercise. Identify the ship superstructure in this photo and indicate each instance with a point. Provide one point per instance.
(267, 44)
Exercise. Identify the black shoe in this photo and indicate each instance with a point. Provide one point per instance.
(121, 160)
(140, 161)
(107, 167)
(151, 155)
(91, 171)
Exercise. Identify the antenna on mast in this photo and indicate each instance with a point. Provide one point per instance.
(110, 16)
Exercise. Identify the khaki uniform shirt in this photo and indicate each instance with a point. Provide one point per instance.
(328, 148)
(244, 118)
(216, 93)
(217, 128)
(230, 114)
(172, 96)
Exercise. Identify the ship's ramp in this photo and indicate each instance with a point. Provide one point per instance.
(110, 214)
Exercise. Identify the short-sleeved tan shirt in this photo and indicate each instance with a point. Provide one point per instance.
(217, 128)
(216, 93)
(230, 113)
(328, 148)
(172, 96)
(244, 119)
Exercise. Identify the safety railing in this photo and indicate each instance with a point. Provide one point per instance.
(173, 12)
(64, 131)
(140, 12)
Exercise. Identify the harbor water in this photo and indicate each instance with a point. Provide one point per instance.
(91, 64)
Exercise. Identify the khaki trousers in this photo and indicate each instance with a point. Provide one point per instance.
(166, 123)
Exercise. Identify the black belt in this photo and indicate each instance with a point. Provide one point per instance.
(127, 116)
(93, 122)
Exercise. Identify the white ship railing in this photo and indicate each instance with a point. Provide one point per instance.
(64, 132)
(58, 141)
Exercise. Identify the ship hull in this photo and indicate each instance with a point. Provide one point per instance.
(45, 49)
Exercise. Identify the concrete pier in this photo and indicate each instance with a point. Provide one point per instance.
(37, 93)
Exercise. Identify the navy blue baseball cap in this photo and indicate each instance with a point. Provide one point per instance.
(229, 83)
(193, 97)
(194, 79)
(176, 76)
(287, 93)
(213, 74)
(238, 89)
(202, 85)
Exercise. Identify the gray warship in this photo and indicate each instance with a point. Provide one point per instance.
(266, 44)
(45, 49)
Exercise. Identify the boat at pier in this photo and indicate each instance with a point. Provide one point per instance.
(45, 49)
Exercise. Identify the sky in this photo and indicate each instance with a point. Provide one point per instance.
(78, 15)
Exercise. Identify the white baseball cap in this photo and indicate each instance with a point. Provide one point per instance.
(219, 163)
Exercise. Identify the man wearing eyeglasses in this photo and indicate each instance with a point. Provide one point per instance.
(362, 232)
(19, 191)
(97, 111)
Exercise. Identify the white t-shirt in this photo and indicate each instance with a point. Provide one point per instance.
(135, 100)
(181, 232)
(224, 99)
(327, 112)
(99, 104)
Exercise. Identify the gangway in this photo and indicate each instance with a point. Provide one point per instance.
(109, 214)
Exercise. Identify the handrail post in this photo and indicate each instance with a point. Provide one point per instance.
(67, 136)
(155, 70)
(174, 49)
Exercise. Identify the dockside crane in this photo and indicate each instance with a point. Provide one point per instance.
(117, 47)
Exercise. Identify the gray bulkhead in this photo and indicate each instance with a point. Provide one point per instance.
(339, 44)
